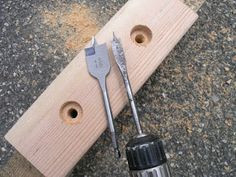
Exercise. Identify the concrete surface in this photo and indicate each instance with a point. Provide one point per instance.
(190, 101)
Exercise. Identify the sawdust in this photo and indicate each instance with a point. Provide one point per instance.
(73, 23)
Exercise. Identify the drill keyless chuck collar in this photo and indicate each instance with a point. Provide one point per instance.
(146, 155)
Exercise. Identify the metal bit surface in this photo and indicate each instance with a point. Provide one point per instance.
(97, 59)
(121, 62)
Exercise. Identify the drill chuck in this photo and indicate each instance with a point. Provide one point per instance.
(146, 157)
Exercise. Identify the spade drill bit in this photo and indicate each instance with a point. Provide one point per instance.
(121, 62)
(97, 59)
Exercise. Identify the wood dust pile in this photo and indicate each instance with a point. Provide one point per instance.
(74, 23)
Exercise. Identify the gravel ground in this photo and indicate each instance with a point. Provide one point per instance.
(190, 101)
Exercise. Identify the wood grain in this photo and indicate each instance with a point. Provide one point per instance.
(52, 145)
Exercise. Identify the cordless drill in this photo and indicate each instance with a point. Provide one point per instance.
(145, 153)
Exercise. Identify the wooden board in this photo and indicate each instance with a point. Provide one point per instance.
(52, 144)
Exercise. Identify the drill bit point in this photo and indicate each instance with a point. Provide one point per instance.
(117, 153)
(94, 41)
(91, 50)
(114, 36)
(115, 39)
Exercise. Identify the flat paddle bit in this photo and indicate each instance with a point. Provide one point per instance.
(97, 59)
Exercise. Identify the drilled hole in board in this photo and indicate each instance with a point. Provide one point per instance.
(141, 35)
(71, 113)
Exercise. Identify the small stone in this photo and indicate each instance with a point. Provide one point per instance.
(228, 122)
(164, 95)
(6, 24)
(4, 29)
(212, 35)
(227, 69)
(215, 98)
(202, 124)
(224, 30)
(167, 155)
(229, 81)
(224, 141)
(229, 39)
(234, 58)
(56, 57)
(21, 111)
(199, 130)
(227, 168)
(3, 149)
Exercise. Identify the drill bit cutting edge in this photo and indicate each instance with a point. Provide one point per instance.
(97, 59)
